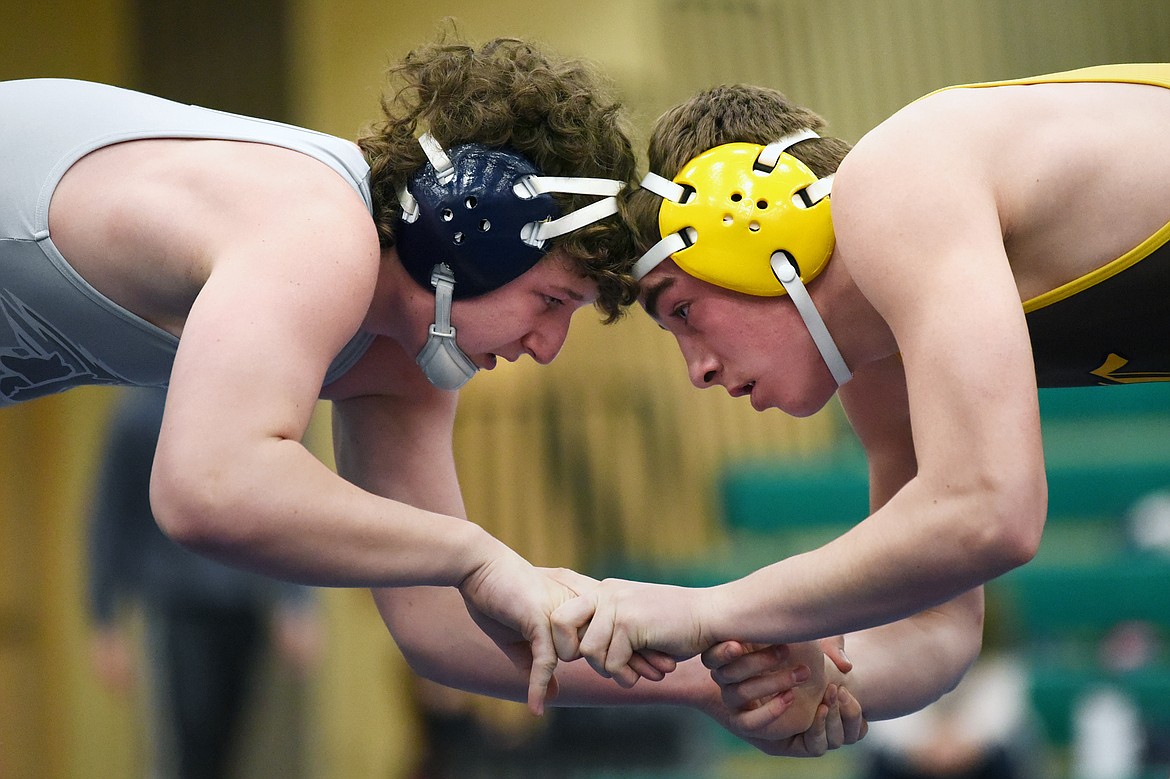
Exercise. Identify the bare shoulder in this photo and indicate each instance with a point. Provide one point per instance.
(912, 199)
(182, 207)
(249, 189)
(1064, 176)
(919, 148)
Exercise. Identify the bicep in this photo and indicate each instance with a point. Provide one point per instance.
(938, 274)
(259, 338)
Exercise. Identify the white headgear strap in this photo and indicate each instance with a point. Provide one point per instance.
(786, 274)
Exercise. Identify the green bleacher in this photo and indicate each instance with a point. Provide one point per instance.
(1105, 449)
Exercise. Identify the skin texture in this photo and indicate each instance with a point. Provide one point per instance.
(947, 216)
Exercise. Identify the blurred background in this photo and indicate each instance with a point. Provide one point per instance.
(608, 461)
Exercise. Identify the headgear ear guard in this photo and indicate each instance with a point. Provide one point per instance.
(753, 219)
(471, 222)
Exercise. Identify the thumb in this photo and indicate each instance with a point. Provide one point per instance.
(834, 649)
(576, 582)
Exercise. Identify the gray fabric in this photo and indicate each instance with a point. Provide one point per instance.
(56, 331)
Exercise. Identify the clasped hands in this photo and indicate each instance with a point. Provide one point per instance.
(777, 697)
(780, 698)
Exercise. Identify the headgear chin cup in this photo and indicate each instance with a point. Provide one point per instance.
(474, 220)
(442, 361)
(753, 219)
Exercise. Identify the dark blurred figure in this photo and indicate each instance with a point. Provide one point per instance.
(207, 625)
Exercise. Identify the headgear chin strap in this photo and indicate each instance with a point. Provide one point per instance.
(786, 273)
(753, 219)
(442, 361)
(474, 220)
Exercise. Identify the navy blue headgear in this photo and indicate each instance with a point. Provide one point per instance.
(472, 221)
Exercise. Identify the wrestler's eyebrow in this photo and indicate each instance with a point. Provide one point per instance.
(652, 295)
(572, 294)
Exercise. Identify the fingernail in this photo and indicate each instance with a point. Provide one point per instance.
(801, 674)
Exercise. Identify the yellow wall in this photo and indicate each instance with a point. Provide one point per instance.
(53, 720)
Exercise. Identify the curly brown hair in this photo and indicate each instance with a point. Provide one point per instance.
(508, 93)
(729, 113)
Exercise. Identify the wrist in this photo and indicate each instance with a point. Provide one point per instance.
(473, 549)
(715, 615)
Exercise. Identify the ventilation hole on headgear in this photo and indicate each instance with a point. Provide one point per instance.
(446, 215)
(484, 225)
(736, 197)
(728, 219)
(470, 202)
(458, 238)
(754, 227)
(761, 204)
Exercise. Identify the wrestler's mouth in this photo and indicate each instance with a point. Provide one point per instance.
(744, 389)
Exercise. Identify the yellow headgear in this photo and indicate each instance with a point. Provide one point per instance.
(734, 206)
(753, 219)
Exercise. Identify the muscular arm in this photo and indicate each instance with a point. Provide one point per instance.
(940, 643)
(380, 446)
(973, 506)
(973, 510)
(289, 282)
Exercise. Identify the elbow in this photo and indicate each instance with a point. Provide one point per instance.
(958, 639)
(197, 512)
(1006, 530)
(999, 528)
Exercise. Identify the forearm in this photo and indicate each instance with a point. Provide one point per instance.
(440, 642)
(903, 666)
(918, 551)
(276, 509)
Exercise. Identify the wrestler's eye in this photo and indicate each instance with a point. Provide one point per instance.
(681, 311)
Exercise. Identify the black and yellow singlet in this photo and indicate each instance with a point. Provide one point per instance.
(1111, 326)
